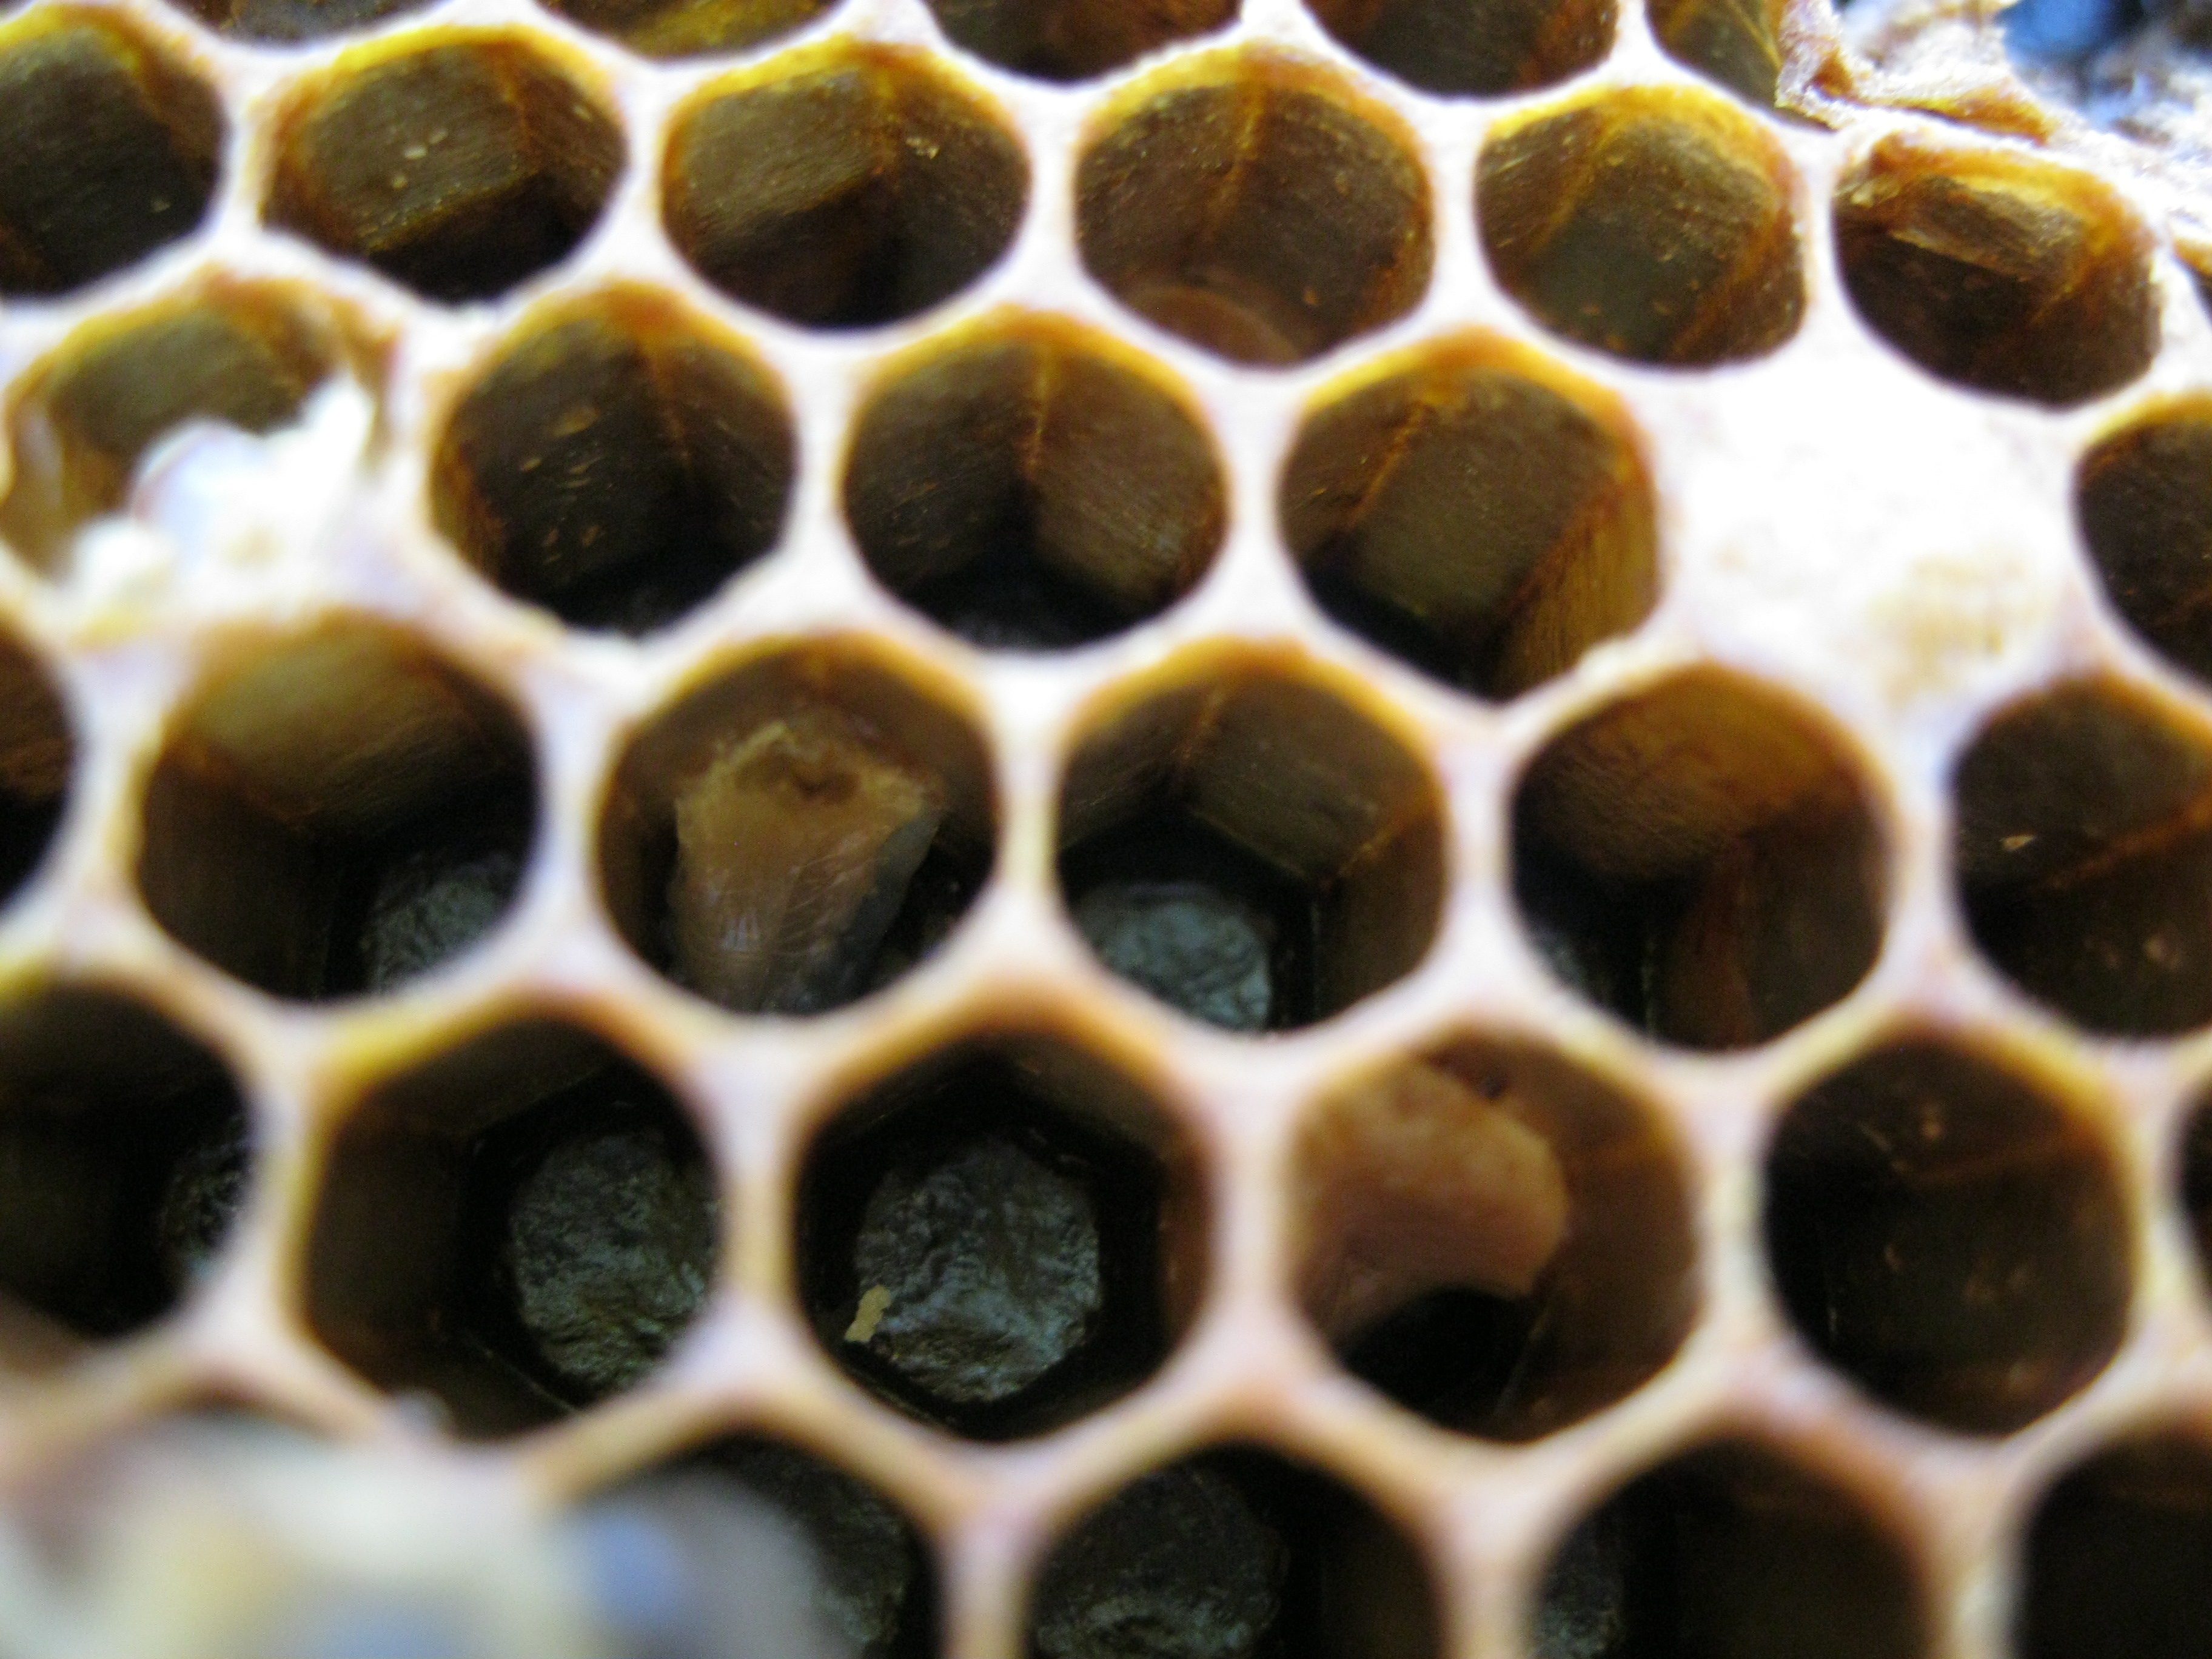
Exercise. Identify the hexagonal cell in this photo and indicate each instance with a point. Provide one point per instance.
(515, 1228)
(1487, 48)
(2196, 1181)
(1737, 43)
(1031, 485)
(663, 1541)
(1074, 39)
(337, 811)
(1256, 207)
(690, 29)
(1952, 1237)
(1734, 1549)
(1703, 860)
(615, 462)
(288, 21)
(108, 149)
(459, 164)
(2143, 500)
(37, 754)
(893, 186)
(1234, 1553)
(1239, 841)
(1001, 1237)
(245, 354)
(2118, 1554)
(1653, 223)
(124, 1155)
(1997, 272)
(798, 832)
(2083, 856)
(1476, 512)
(1493, 1237)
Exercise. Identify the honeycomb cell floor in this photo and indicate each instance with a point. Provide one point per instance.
(1039, 830)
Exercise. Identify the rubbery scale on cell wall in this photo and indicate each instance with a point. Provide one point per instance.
(1310, 828)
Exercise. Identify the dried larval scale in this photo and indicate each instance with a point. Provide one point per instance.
(1056, 829)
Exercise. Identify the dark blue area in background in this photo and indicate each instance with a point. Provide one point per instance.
(2049, 29)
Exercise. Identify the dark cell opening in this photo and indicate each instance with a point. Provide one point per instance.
(1074, 39)
(124, 1155)
(2118, 1555)
(1486, 47)
(517, 1229)
(1000, 1239)
(614, 463)
(337, 813)
(1235, 1553)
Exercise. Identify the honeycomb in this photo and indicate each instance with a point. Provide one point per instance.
(1242, 827)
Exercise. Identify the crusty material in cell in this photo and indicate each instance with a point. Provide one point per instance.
(793, 852)
(1415, 1182)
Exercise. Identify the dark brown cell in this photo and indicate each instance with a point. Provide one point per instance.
(1235, 1553)
(336, 812)
(1477, 513)
(2083, 859)
(1074, 39)
(1260, 211)
(691, 28)
(1000, 1237)
(891, 185)
(1652, 222)
(2143, 500)
(517, 1228)
(1731, 1549)
(1703, 859)
(37, 756)
(1486, 47)
(1997, 272)
(1948, 1235)
(2118, 1552)
(288, 21)
(1030, 486)
(617, 462)
(459, 167)
(1493, 1237)
(108, 149)
(1248, 846)
(124, 1159)
(1735, 42)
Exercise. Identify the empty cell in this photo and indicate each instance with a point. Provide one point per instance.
(287, 21)
(336, 812)
(1234, 1553)
(2196, 1181)
(1001, 1237)
(1703, 859)
(1493, 1237)
(2143, 498)
(459, 165)
(690, 29)
(662, 1546)
(1652, 222)
(1245, 845)
(842, 185)
(124, 1157)
(1948, 1235)
(1735, 42)
(798, 833)
(516, 1227)
(1731, 1550)
(2083, 857)
(1476, 511)
(616, 461)
(1485, 47)
(38, 753)
(1255, 206)
(245, 355)
(2118, 1554)
(1074, 39)
(1996, 272)
(108, 150)
(1031, 485)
